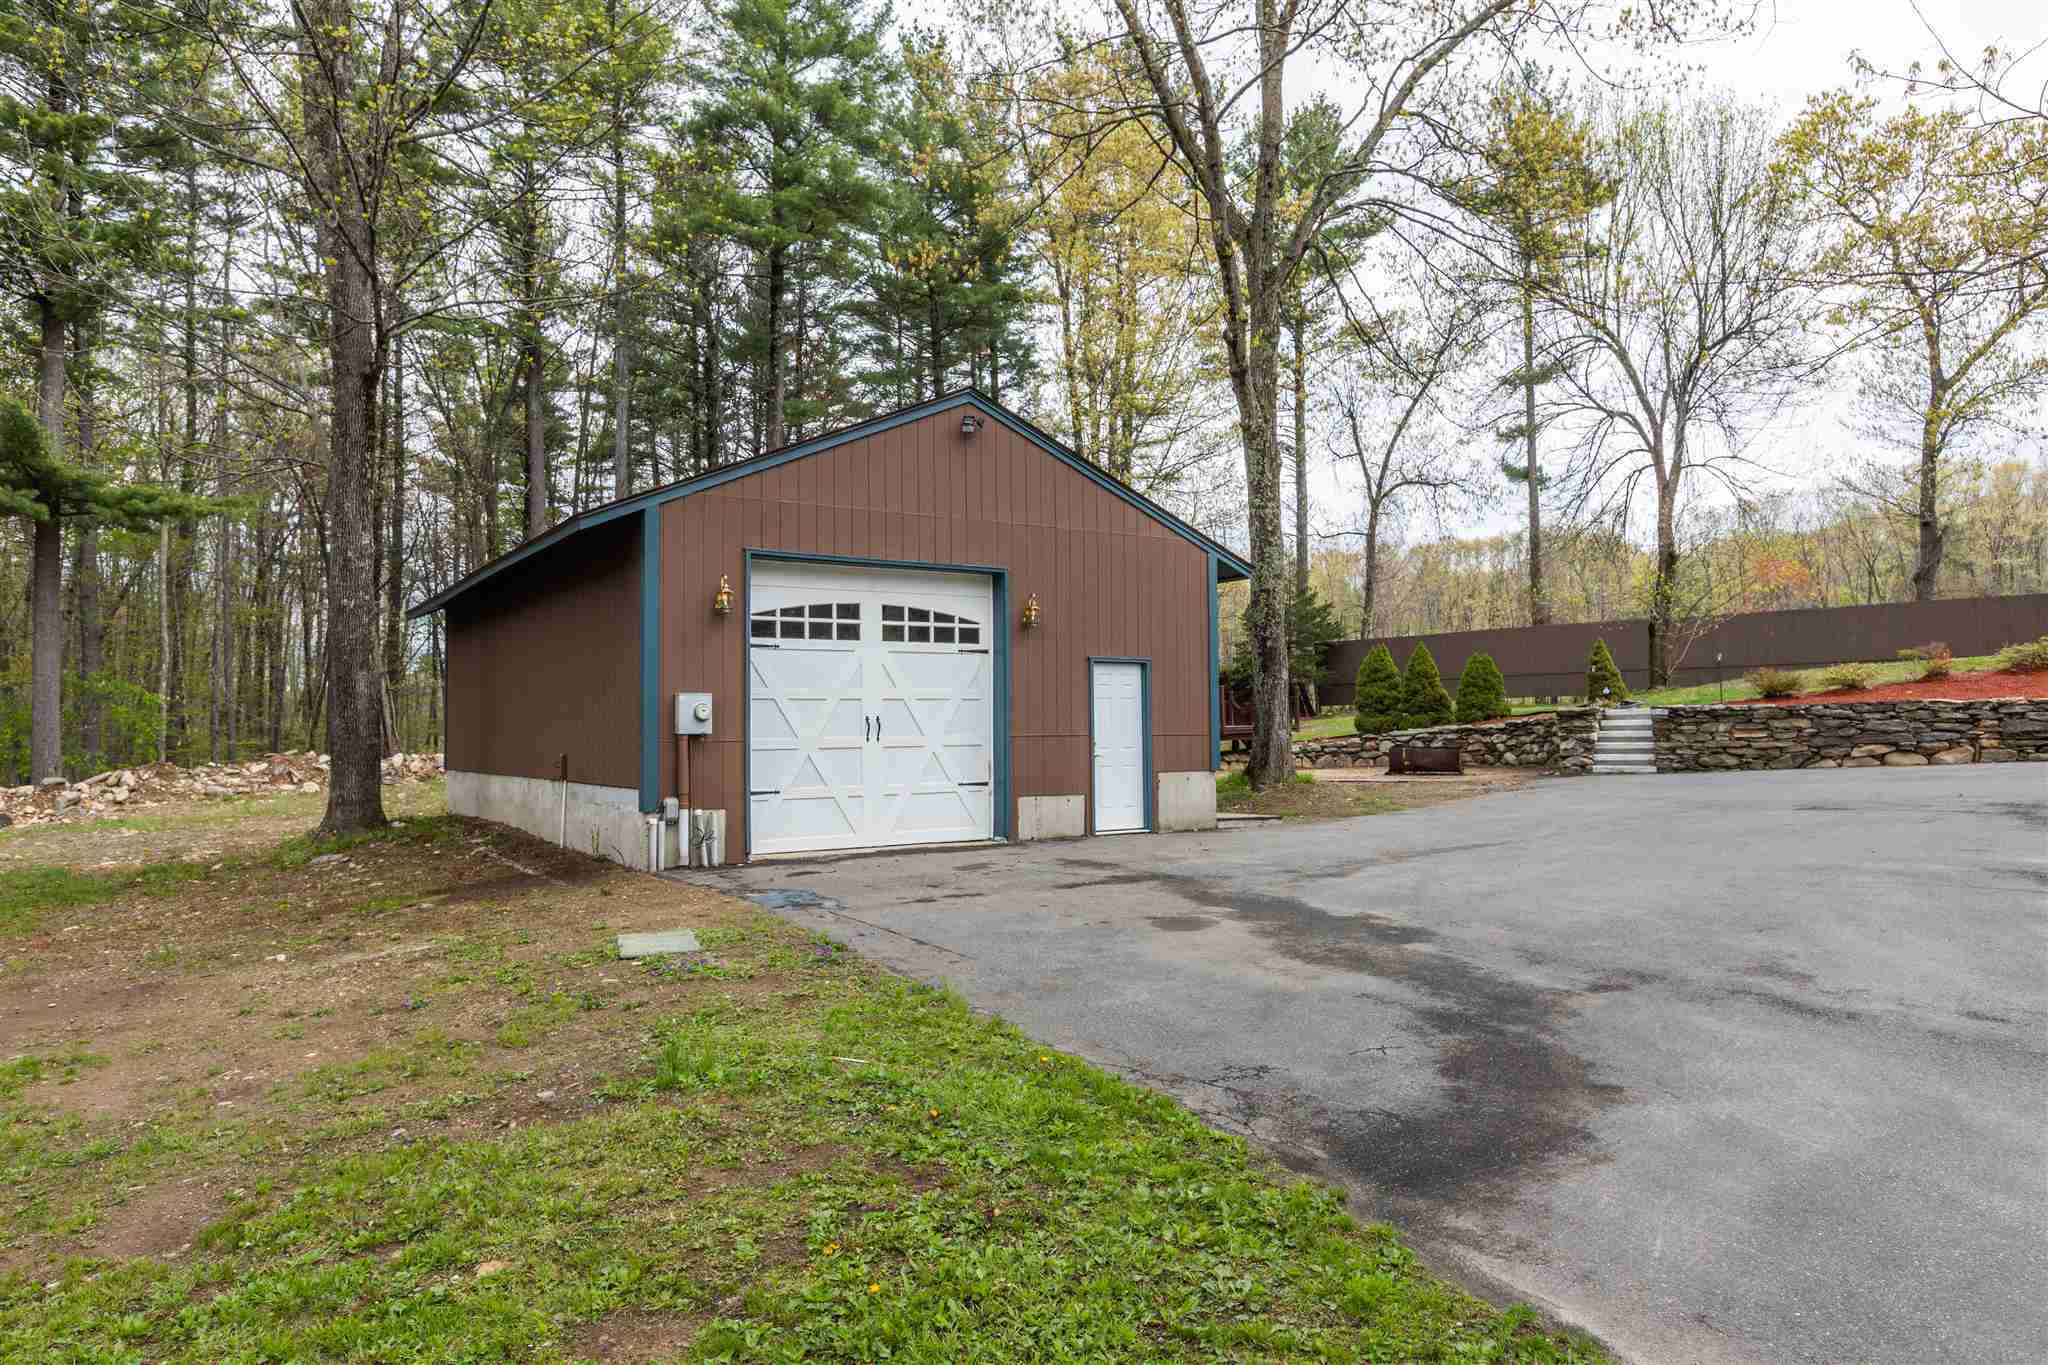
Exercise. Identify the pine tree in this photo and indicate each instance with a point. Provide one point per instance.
(80, 217)
(1482, 692)
(1379, 693)
(1424, 701)
(1537, 181)
(1604, 683)
(38, 484)
(948, 300)
(791, 115)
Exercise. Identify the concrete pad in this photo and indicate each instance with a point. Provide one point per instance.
(663, 944)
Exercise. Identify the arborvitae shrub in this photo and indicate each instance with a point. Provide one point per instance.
(1601, 674)
(1424, 701)
(1379, 693)
(1482, 692)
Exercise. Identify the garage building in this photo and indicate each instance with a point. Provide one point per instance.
(937, 626)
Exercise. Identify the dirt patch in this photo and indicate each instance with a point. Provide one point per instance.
(1962, 687)
(634, 1335)
(334, 1005)
(1339, 793)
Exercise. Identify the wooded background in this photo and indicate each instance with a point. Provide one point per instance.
(316, 308)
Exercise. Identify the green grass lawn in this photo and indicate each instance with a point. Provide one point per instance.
(1334, 723)
(1738, 688)
(457, 1128)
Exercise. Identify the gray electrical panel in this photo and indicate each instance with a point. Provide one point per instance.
(693, 713)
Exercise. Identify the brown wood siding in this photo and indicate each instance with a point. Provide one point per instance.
(545, 660)
(1110, 580)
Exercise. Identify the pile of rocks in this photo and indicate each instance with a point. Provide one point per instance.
(1560, 740)
(1892, 734)
(156, 784)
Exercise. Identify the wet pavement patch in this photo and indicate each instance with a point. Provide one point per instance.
(792, 898)
(1514, 1098)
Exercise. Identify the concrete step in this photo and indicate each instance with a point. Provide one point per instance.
(1641, 769)
(1613, 742)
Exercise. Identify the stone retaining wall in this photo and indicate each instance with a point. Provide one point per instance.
(1857, 735)
(1561, 740)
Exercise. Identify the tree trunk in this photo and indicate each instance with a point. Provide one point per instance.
(355, 722)
(1539, 601)
(1933, 537)
(1369, 588)
(1255, 376)
(394, 517)
(1664, 587)
(85, 599)
(163, 675)
(622, 460)
(46, 580)
(777, 433)
(536, 438)
(1300, 377)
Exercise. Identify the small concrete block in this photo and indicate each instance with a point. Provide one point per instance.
(664, 944)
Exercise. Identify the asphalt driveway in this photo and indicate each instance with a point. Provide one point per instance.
(1740, 1067)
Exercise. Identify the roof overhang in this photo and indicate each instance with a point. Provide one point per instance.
(1230, 567)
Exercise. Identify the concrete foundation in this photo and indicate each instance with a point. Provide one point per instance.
(1051, 817)
(1187, 801)
(603, 821)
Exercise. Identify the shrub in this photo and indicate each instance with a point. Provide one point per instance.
(2029, 656)
(1603, 680)
(1846, 677)
(1776, 682)
(1937, 660)
(1378, 705)
(1482, 692)
(1424, 700)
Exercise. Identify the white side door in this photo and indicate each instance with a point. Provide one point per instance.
(1117, 696)
(871, 715)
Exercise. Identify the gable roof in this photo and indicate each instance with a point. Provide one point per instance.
(1229, 565)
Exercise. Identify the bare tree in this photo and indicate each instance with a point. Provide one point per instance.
(372, 100)
(1685, 330)
(1992, 78)
(1392, 406)
(1215, 87)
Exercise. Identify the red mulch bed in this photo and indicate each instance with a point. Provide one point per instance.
(1961, 687)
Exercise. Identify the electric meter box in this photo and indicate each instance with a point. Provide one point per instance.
(693, 713)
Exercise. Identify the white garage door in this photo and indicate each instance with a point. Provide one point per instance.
(871, 707)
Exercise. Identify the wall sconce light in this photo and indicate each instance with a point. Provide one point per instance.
(721, 601)
(969, 423)
(1030, 617)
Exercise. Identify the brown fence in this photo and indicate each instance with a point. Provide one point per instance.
(1550, 661)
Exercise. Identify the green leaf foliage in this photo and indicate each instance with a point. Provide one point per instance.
(1379, 701)
(1482, 692)
(1424, 700)
(1603, 680)
(1312, 628)
(36, 485)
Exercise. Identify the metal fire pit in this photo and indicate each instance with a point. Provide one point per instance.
(1416, 758)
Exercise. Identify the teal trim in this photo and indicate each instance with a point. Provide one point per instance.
(1145, 726)
(650, 659)
(1237, 568)
(1215, 672)
(1001, 817)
